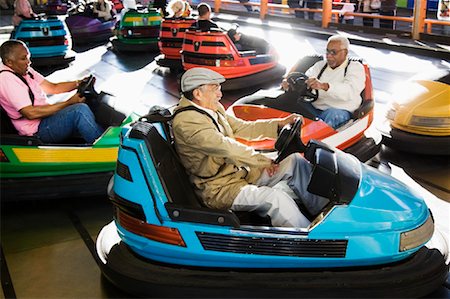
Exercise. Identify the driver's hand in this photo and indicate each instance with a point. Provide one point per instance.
(76, 98)
(284, 84)
(272, 169)
(85, 79)
(313, 83)
(289, 120)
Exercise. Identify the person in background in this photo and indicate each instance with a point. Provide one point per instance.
(187, 9)
(128, 5)
(23, 97)
(365, 7)
(388, 8)
(244, 42)
(22, 11)
(4, 4)
(228, 174)
(104, 9)
(347, 7)
(175, 9)
(313, 4)
(161, 5)
(297, 4)
(204, 22)
(249, 8)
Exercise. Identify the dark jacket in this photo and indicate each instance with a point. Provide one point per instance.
(205, 25)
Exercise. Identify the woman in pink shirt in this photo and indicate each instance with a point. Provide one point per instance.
(22, 10)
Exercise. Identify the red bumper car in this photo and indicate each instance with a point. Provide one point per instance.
(216, 51)
(357, 136)
(171, 41)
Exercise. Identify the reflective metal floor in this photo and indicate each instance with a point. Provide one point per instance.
(48, 245)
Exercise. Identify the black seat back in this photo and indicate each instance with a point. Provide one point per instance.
(6, 124)
(172, 174)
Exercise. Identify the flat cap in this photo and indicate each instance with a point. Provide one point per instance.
(198, 76)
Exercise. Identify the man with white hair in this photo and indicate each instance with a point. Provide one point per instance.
(339, 82)
(228, 174)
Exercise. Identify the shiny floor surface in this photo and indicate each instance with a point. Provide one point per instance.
(48, 245)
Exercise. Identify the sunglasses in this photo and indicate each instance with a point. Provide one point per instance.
(333, 52)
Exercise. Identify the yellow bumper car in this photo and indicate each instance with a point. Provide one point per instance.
(418, 119)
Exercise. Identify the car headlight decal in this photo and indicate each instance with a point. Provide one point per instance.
(433, 122)
(418, 236)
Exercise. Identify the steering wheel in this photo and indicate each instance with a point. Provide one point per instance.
(297, 83)
(289, 141)
(86, 87)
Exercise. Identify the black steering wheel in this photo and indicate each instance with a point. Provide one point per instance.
(297, 83)
(289, 141)
(86, 87)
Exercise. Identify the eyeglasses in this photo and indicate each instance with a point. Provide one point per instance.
(333, 52)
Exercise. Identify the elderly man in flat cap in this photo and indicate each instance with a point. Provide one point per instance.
(228, 174)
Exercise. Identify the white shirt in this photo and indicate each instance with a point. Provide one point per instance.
(345, 91)
(348, 7)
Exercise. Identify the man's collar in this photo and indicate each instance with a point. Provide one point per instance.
(186, 102)
(342, 65)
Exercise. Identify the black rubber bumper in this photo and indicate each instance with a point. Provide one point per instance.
(54, 60)
(91, 38)
(418, 144)
(273, 74)
(65, 186)
(365, 149)
(416, 276)
(174, 64)
(125, 47)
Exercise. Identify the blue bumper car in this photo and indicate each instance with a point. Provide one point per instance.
(368, 241)
(48, 40)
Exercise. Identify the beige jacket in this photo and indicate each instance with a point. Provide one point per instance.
(217, 164)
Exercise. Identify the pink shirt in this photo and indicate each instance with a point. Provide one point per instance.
(14, 96)
(21, 7)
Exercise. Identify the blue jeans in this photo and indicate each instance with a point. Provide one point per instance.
(334, 117)
(299, 181)
(74, 119)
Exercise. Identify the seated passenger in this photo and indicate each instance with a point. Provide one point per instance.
(339, 83)
(231, 175)
(204, 22)
(22, 11)
(104, 10)
(128, 5)
(248, 43)
(159, 5)
(175, 9)
(23, 97)
(187, 10)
